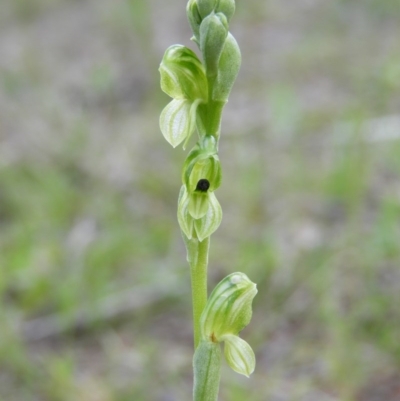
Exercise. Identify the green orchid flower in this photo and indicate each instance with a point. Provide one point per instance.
(228, 311)
(199, 213)
(182, 78)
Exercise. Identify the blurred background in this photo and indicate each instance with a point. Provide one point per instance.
(94, 285)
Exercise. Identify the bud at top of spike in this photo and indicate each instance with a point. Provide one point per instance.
(194, 18)
(206, 7)
(182, 74)
(228, 69)
(213, 32)
(226, 7)
(228, 308)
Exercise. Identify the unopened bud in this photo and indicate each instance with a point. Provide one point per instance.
(226, 7)
(194, 19)
(228, 69)
(213, 32)
(206, 7)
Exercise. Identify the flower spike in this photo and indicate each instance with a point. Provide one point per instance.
(199, 90)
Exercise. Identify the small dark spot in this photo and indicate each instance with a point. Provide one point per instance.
(213, 338)
(203, 185)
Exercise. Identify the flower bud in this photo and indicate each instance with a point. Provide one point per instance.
(226, 7)
(194, 18)
(228, 308)
(213, 32)
(239, 355)
(228, 68)
(206, 7)
(182, 74)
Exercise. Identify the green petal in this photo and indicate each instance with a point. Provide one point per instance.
(193, 110)
(184, 218)
(198, 204)
(228, 309)
(178, 121)
(239, 355)
(209, 169)
(210, 222)
(183, 75)
(202, 163)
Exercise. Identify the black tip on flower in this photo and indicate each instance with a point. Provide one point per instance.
(203, 185)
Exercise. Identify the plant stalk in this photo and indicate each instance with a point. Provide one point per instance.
(207, 371)
(198, 259)
(210, 114)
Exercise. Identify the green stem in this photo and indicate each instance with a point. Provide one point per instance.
(198, 259)
(214, 117)
(207, 371)
(210, 113)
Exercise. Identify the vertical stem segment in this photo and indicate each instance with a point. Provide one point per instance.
(210, 113)
(198, 259)
(207, 371)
